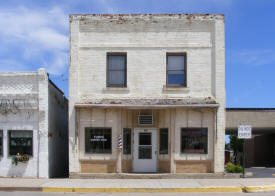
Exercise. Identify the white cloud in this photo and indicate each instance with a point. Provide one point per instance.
(56, 64)
(105, 5)
(252, 57)
(37, 34)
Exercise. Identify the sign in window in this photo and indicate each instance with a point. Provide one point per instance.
(98, 140)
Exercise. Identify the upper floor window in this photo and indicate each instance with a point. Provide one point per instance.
(176, 69)
(116, 70)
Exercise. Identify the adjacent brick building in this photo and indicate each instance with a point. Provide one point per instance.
(147, 93)
(33, 122)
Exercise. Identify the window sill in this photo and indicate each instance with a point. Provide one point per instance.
(193, 153)
(95, 157)
(175, 88)
(116, 89)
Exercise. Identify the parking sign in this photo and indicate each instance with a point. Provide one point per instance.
(244, 132)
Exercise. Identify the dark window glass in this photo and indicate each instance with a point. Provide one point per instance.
(194, 140)
(116, 70)
(176, 70)
(20, 142)
(145, 146)
(126, 141)
(145, 152)
(1, 143)
(144, 138)
(163, 141)
(98, 140)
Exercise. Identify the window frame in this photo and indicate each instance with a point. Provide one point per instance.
(105, 153)
(185, 68)
(107, 69)
(9, 142)
(193, 128)
(162, 129)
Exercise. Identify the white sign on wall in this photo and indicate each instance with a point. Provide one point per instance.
(244, 132)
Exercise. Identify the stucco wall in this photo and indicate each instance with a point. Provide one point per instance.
(258, 119)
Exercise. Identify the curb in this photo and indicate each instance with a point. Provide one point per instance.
(10, 188)
(247, 189)
(146, 190)
(254, 189)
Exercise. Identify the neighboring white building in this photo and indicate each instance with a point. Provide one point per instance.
(155, 82)
(33, 121)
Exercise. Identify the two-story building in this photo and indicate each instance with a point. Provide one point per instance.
(147, 93)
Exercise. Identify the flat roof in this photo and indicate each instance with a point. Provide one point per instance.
(149, 16)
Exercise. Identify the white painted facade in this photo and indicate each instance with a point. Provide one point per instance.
(147, 39)
(29, 101)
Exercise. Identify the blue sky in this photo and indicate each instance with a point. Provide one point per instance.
(34, 34)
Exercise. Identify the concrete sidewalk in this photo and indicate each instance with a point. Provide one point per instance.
(138, 185)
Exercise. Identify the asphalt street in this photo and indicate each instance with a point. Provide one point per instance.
(133, 194)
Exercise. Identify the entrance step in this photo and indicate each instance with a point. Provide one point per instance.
(153, 176)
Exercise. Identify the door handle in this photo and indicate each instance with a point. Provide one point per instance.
(155, 152)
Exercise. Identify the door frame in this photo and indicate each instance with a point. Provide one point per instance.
(135, 145)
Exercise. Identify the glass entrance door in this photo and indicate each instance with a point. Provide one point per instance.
(145, 154)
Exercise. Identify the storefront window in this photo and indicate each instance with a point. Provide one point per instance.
(98, 140)
(126, 141)
(163, 141)
(1, 142)
(20, 142)
(194, 140)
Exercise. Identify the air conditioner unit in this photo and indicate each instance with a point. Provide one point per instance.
(145, 120)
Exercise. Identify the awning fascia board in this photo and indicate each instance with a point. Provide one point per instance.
(83, 105)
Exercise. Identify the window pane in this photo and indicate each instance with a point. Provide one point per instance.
(20, 142)
(194, 140)
(144, 138)
(163, 141)
(116, 62)
(116, 78)
(98, 140)
(126, 141)
(21, 134)
(145, 152)
(176, 78)
(1, 143)
(107, 145)
(176, 62)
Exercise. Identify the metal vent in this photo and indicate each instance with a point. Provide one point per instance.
(145, 119)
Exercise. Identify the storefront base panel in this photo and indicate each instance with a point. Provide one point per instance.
(127, 166)
(98, 166)
(163, 166)
(193, 166)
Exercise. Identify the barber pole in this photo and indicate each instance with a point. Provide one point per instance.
(119, 142)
